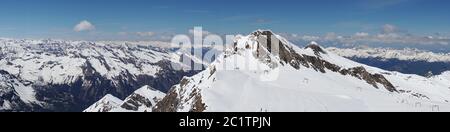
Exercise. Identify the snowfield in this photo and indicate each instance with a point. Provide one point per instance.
(230, 84)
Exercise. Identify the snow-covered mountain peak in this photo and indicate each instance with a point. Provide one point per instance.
(273, 49)
(313, 43)
(142, 100)
(316, 48)
(106, 104)
(269, 48)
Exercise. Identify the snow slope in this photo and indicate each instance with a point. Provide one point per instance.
(142, 100)
(251, 78)
(105, 104)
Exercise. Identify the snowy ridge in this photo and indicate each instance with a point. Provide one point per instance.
(405, 54)
(105, 104)
(142, 100)
(442, 78)
(297, 79)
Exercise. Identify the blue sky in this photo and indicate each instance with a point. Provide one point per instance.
(115, 19)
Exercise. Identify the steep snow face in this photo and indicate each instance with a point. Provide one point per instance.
(142, 100)
(252, 77)
(444, 76)
(442, 80)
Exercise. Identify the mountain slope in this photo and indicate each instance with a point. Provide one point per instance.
(264, 72)
(53, 75)
(142, 100)
(106, 104)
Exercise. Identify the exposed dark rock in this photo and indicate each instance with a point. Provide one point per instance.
(316, 63)
(9, 63)
(212, 72)
(373, 79)
(135, 101)
(169, 103)
(288, 55)
(429, 74)
(198, 106)
(316, 48)
(267, 42)
(418, 95)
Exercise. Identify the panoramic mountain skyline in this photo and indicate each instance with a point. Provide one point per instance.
(213, 64)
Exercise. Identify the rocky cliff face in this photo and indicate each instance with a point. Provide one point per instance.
(172, 101)
(289, 56)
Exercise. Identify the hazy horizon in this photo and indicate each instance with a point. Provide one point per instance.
(393, 23)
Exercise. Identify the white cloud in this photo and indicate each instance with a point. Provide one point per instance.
(310, 38)
(297, 37)
(84, 26)
(332, 36)
(361, 35)
(145, 34)
(122, 33)
(388, 28)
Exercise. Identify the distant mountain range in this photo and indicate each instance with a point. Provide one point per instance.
(55, 75)
(410, 61)
(260, 72)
